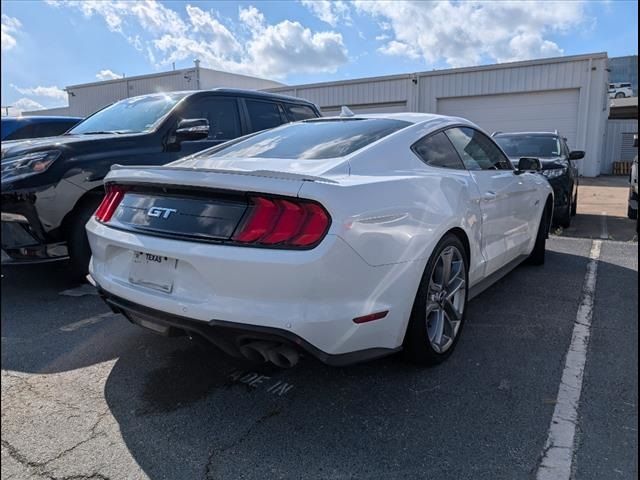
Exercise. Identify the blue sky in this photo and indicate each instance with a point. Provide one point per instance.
(49, 44)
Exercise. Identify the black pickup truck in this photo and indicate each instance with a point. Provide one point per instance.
(51, 186)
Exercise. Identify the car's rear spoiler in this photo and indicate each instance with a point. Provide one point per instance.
(252, 173)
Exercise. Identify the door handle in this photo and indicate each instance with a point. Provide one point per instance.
(489, 195)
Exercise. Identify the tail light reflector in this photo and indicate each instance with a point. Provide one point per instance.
(371, 317)
(283, 222)
(110, 202)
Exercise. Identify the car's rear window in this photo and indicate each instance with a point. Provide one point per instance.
(313, 140)
(529, 145)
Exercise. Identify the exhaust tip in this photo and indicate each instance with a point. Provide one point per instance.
(283, 356)
(256, 351)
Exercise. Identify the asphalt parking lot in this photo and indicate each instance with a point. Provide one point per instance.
(87, 395)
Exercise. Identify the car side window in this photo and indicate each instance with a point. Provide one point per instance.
(51, 129)
(222, 114)
(26, 131)
(264, 115)
(478, 152)
(437, 151)
(299, 112)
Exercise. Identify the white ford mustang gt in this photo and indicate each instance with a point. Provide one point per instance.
(345, 238)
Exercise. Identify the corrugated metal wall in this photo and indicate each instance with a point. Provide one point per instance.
(618, 143)
(420, 92)
(357, 94)
(86, 99)
(63, 111)
(215, 79)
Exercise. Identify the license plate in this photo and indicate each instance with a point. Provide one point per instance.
(153, 271)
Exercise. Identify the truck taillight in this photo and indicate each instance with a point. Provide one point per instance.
(110, 202)
(284, 223)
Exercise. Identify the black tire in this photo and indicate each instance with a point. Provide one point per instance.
(631, 213)
(77, 242)
(417, 346)
(565, 219)
(538, 254)
(620, 95)
(574, 206)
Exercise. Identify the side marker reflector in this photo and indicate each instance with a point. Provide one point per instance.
(371, 317)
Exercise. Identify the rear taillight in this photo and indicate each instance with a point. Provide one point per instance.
(113, 197)
(282, 222)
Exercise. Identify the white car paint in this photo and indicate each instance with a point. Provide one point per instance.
(388, 210)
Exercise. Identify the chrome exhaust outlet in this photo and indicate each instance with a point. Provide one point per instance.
(283, 356)
(257, 351)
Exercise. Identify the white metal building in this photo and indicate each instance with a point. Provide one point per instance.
(566, 93)
(85, 99)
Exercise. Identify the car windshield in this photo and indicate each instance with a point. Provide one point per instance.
(529, 145)
(313, 140)
(133, 115)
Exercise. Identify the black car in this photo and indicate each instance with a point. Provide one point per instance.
(18, 128)
(52, 186)
(558, 165)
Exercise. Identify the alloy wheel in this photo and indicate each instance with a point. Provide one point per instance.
(446, 299)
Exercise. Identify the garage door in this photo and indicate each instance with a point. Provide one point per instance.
(388, 107)
(518, 112)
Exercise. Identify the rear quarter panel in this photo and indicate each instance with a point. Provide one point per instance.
(400, 218)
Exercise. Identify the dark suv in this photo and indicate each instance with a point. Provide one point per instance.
(51, 186)
(558, 165)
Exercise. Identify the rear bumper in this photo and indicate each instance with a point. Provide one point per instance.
(23, 243)
(308, 297)
(229, 335)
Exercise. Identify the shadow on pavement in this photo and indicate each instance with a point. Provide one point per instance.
(601, 226)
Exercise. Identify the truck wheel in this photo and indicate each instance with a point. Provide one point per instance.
(620, 95)
(540, 247)
(77, 242)
(632, 213)
(565, 220)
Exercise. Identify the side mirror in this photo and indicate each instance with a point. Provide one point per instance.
(576, 154)
(528, 164)
(192, 129)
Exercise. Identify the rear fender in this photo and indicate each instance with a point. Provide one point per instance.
(389, 220)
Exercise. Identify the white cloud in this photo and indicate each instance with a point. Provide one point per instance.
(9, 27)
(466, 33)
(107, 75)
(23, 105)
(400, 49)
(258, 48)
(289, 46)
(52, 92)
(330, 11)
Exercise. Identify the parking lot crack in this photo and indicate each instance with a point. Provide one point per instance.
(91, 476)
(19, 457)
(39, 468)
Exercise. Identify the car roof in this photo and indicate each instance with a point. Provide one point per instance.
(233, 91)
(528, 134)
(42, 118)
(411, 117)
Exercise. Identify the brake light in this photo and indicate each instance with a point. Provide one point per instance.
(113, 197)
(283, 222)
